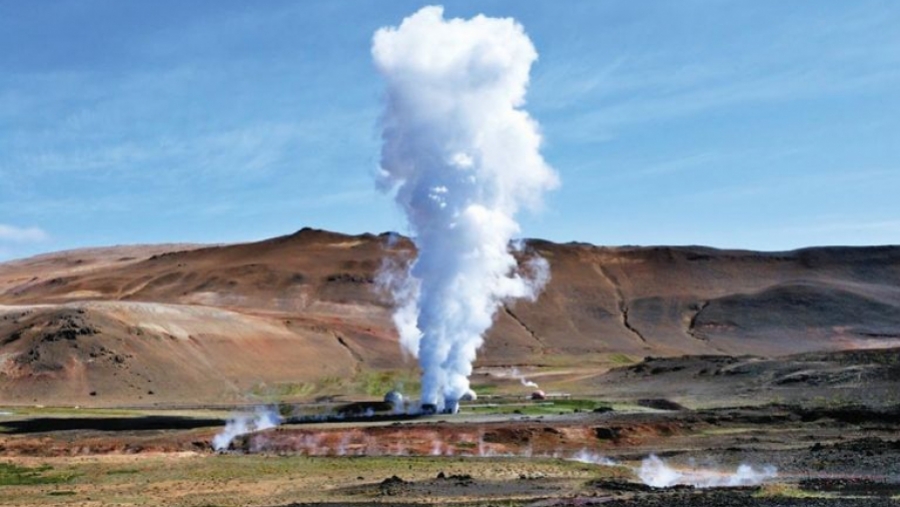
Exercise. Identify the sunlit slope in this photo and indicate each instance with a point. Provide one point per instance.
(303, 315)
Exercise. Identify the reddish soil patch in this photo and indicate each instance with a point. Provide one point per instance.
(560, 438)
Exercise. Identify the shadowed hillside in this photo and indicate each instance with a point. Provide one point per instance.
(302, 316)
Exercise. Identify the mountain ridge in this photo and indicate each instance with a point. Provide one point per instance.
(292, 314)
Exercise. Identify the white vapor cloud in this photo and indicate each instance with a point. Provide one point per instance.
(462, 158)
(656, 473)
(13, 234)
(261, 419)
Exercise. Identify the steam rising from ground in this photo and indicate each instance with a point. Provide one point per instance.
(656, 473)
(586, 456)
(241, 424)
(516, 374)
(462, 158)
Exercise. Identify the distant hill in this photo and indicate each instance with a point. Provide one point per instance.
(301, 316)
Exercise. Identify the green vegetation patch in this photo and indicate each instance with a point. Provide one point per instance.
(622, 359)
(283, 390)
(124, 471)
(15, 475)
(485, 389)
(369, 383)
(28, 412)
(377, 383)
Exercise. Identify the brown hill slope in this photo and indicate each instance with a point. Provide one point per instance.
(301, 315)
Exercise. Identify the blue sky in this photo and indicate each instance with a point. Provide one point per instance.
(758, 124)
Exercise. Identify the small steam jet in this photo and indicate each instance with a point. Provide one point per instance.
(451, 406)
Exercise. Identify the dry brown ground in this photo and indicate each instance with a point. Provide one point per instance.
(837, 451)
(831, 456)
(301, 316)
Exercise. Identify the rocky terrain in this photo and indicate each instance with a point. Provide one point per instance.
(672, 376)
(303, 316)
(543, 454)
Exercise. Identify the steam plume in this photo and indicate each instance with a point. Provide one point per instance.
(656, 473)
(586, 456)
(462, 158)
(524, 381)
(263, 418)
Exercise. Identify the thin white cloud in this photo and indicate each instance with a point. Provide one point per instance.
(786, 187)
(252, 148)
(595, 95)
(681, 164)
(891, 226)
(788, 85)
(15, 234)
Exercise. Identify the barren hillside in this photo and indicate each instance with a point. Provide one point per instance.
(301, 316)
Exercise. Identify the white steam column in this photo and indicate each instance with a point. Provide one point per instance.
(461, 157)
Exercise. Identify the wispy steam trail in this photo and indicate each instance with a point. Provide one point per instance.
(656, 473)
(240, 424)
(462, 158)
(586, 456)
(524, 381)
